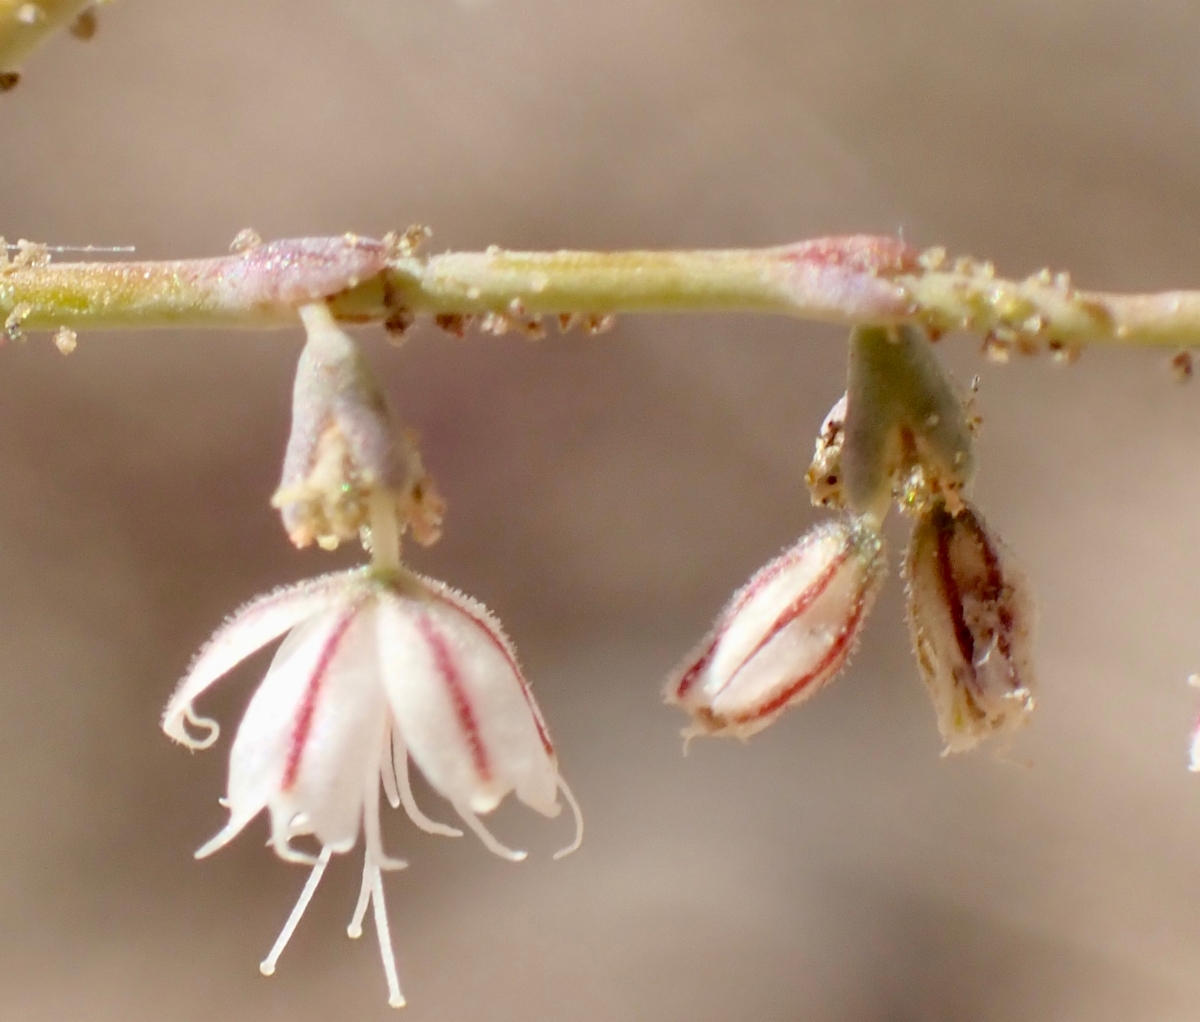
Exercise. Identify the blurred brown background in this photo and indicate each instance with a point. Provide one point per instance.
(606, 496)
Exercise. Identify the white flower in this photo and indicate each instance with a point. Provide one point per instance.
(377, 666)
(787, 632)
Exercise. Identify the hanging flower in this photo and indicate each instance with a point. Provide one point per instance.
(971, 618)
(378, 665)
(785, 634)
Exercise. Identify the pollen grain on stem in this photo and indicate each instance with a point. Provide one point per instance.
(25, 25)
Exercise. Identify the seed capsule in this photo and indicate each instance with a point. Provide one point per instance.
(971, 618)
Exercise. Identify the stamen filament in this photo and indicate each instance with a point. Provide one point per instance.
(395, 997)
(486, 836)
(354, 930)
(387, 771)
(267, 966)
(404, 786)
(371, 829)
(578, 813)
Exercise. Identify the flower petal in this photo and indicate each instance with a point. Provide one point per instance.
(309, 733)
(258, 757)
(337, 733)
(461, 704)
(245, 632)
(537, 786)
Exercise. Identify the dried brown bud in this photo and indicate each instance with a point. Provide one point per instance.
(824, 476)
(971, 618)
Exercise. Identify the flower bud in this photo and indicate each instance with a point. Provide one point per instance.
(903, 433)
(786, 633)
(343, 449)
(971, 618)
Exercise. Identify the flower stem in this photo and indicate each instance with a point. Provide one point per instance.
(852, 280)
(385, 532)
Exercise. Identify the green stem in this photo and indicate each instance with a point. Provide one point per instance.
(855, 280)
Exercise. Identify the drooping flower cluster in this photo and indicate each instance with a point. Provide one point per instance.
(379, 666)
(900, 434)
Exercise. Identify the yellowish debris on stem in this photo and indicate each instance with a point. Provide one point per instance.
(25, 25)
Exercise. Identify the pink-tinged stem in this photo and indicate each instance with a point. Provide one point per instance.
(850, 280)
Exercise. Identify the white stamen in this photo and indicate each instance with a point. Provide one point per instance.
(374, 860)
(400, 763)
(373, 837)
(267, 966)
(395, 997)
(574, 845)
(387, 772)
(489, 842)
(354, 930)
(226, 834)
(281, 841)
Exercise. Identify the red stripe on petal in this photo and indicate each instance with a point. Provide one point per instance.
(501, 646)
(836, 652)
(798, 606)
(302, 728)
(443, 660)
(768, 574)
(751, 589)
(692, 674)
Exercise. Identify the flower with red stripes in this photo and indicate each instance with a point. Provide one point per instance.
(789, 630)
(378, 666)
